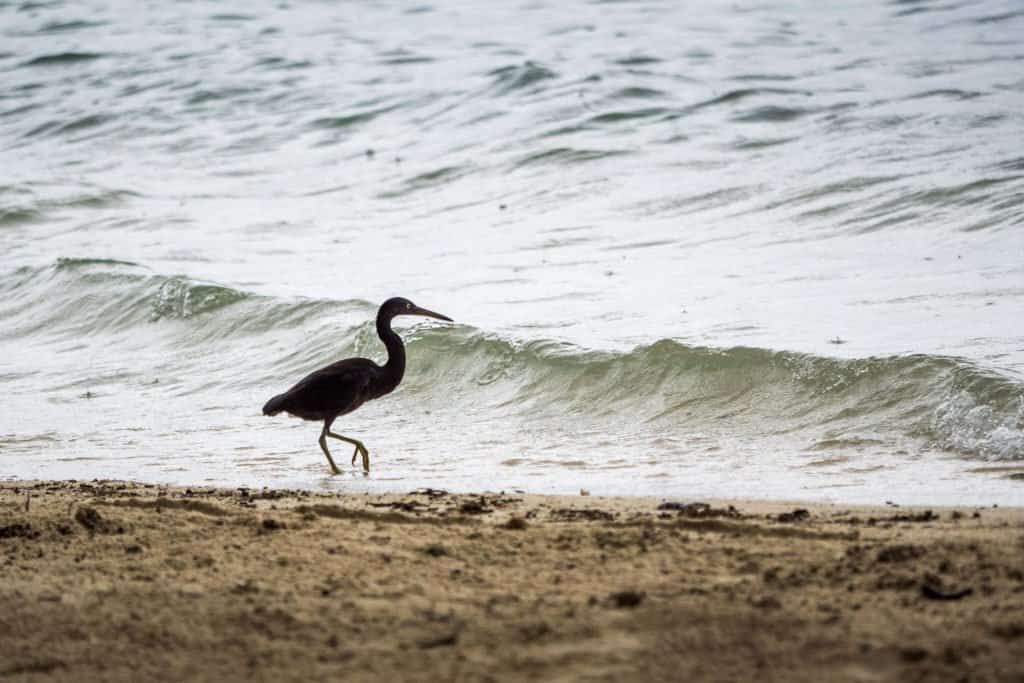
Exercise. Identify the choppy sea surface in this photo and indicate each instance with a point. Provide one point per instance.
(758, 249)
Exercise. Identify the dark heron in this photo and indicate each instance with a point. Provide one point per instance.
(341, 387)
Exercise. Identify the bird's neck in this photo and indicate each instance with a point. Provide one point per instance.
(395, 366)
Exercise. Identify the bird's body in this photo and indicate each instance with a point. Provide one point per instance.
(331, 391)
(341, 387)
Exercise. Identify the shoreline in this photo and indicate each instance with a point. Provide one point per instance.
(121, 580)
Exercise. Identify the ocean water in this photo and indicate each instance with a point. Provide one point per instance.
(772, 250)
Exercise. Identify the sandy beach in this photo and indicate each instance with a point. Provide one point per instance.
(122, 581)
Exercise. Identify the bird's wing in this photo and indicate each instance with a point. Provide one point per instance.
(336, 389)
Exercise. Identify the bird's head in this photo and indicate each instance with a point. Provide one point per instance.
(399, 306)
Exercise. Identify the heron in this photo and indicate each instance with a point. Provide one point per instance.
(341, 387)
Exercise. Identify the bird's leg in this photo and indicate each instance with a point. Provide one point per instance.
(360, 449)
(323, 446)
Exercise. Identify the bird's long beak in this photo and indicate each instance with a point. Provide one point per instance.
(430, 314)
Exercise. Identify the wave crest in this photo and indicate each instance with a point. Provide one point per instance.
(799, 402)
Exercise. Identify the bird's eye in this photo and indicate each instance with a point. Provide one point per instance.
(408, 306)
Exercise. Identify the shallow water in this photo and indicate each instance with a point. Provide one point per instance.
(753, 250)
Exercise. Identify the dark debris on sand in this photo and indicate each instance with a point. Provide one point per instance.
(700, 510)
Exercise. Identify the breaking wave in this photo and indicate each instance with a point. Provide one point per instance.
(933, 404)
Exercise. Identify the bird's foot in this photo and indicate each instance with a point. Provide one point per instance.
(361, 450)
(330, 460)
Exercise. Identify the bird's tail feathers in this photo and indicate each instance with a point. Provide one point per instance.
(274, 405)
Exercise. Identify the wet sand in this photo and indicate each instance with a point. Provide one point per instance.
(119, 581)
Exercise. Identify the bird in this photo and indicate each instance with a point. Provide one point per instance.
(341, 387)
